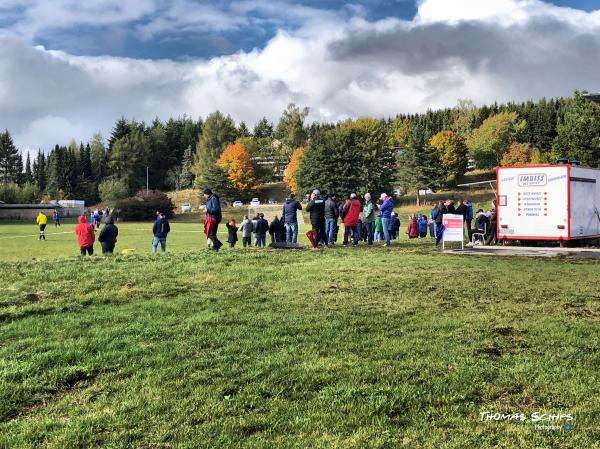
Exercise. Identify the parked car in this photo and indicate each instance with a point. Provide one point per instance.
(272, 201)
(237, 204)
(255, 202)
(186, 207)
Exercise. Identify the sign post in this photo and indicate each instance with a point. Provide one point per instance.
(453, 229)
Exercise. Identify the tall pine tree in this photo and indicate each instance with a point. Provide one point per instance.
(9, 159)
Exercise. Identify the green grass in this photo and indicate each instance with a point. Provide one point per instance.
(350, 348)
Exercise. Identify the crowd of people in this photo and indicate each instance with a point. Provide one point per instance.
(365, 221)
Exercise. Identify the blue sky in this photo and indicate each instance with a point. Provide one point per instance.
(71, 68)
(124, 38)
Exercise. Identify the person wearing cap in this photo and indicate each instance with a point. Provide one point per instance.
(212, 219)
(316, 209)
(385, 210)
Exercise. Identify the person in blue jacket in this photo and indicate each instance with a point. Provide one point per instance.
(385, 209)
(422, 225)
(469, 215)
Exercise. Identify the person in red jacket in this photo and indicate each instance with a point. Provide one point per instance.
(85, 236)
(413, 227)
(350, 214)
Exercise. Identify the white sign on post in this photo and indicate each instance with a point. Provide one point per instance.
(453, 229)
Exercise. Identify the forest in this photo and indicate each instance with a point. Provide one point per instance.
(406, 152)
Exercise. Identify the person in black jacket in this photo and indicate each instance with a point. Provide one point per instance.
(274, 230)
(232, 230)
(332, 212)
(160, 229)
(316, 208)
(289, 218)
(261, 229)
(108, 236)
(213, 210)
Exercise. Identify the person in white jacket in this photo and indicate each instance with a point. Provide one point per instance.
(247, 227)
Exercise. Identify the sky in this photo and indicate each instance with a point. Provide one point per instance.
(71, 68)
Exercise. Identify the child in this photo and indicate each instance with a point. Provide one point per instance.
(413, 228)
(85, 236)
(42, 220)
(422, 223)
(232, 230)
(378, 229)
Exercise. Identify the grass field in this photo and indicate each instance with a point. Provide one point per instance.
(349, 348)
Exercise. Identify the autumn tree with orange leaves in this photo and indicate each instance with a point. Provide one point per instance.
(236, 162)
(289, 177)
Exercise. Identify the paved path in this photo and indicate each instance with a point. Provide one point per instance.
(528, 251)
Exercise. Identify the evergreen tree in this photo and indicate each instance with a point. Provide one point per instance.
(39, 171)
(290, 134)
(330, 152)
(98, 158)
(129, 160)
(218, 131)
(19, 174)
(186, 178)
(120, 130)
(263, 128)
(419, 165)
(216, 178)
(85, 161)
(28, 171)
(9, 159)
(243, 130)
(578, 133)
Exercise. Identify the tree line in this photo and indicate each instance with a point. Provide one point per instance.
(405, 152)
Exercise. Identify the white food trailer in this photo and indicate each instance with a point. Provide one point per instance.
(547, 202)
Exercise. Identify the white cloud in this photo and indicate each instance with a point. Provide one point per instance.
(516, 50)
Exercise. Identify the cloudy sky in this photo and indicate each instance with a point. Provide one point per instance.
(70, 68)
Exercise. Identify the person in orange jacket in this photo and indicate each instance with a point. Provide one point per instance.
(85, 236)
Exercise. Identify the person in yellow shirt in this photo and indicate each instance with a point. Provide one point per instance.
(42, 220)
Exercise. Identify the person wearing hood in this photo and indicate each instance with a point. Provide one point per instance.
(108, 236)
(289, 218)
(394, 226)
(316, 209)
(160, 229)
(385, 209)
(350, 216)
(85, 236)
